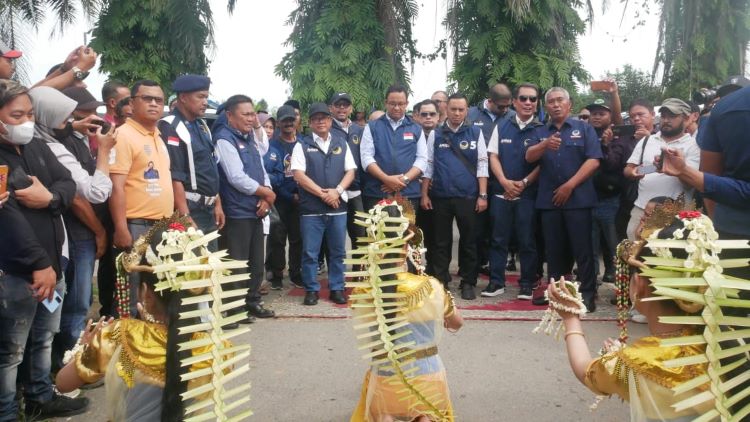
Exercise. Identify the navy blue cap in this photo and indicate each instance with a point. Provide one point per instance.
(285, 112)
(317, 108)
(293, 103)
(191, 83)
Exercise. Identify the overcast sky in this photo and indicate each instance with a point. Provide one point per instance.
(242, 66)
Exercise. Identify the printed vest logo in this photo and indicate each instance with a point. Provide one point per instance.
(463, 144)
(273, 157)
(337, 150)
(575, 134)
(173, 141)
(355, 140)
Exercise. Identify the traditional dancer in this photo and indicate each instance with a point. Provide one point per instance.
(399, 318)
(173, 363)
(694, 363)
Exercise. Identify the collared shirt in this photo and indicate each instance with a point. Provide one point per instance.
(230, 162)
(343, 125)
(367, 147)
(521, 124)
(482, 168)
(141, 155)
(298, 155)
(579, 144)
(659, 184)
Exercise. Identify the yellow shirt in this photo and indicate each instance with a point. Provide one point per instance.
(141, 155)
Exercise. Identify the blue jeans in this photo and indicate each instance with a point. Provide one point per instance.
(509, 217)
(604, 233)
(27, 329)
(79, 276)
(204, 218)
(314, 228)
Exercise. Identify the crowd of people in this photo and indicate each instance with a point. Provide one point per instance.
(520, 174)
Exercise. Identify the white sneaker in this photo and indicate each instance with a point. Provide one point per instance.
(492, 291)
(71, 394)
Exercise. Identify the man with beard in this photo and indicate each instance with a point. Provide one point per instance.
(568, 153)
(674, 117)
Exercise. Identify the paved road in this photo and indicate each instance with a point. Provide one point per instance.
(308, 369)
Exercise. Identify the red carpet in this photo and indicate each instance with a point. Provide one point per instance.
(323, 293)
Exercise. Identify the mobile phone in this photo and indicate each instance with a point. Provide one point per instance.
(623, 131)
(647, 169)
(104, 125)
(3, 179)
(660, 163)
(599, 85)
(53, 304)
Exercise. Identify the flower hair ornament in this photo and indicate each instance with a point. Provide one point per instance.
(698, 285)
(551, 323)
(181, 261)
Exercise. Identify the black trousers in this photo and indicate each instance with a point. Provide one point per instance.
(426, 223)
(570, 230)
(354, 230)
(106, 273)
(287, 227)
(484, 233)
(243, 239)
(444, 212)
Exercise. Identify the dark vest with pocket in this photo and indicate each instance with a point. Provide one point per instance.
(326, 169)
(237, 204)
(451, 178)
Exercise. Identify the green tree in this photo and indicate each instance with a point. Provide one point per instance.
(261, 104)
(360, 47)
(515, 41)
(701, 43)
(633, 83)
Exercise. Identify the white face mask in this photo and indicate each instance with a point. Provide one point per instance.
(19, 134)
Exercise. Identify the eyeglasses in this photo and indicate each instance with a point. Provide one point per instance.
(428, 114)
(396, 105)
(583, 117)
(341, 105)
(525, 98)
(319, 118)
(148, 99)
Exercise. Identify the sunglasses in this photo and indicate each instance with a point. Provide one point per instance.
(149, 99)
(428, 114)
(527, 98)
(583, 116)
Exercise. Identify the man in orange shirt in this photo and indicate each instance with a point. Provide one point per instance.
(139, 168)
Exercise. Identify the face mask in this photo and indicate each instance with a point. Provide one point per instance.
(19, 134)
(64, 132)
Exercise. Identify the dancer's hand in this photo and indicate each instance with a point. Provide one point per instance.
(557, 295)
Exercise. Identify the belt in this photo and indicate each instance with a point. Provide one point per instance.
(419, 354)
(201, 199)
(142, 221)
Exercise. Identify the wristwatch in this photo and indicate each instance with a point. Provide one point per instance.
(405, 179)
(525, 182)
(54, 203)
(483, 196)
(339, 189)
(79, 74)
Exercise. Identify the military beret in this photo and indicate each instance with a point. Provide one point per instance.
(191, 83)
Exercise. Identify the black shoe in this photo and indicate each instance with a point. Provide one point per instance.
(59, 406)
(311, 299)
(526, 293)
(511, 265)
(337, 296)
(590, 305)
(276, 284)
(467, 292)
(608, 278)
(257, 310)
(297, 283)
(492, 290)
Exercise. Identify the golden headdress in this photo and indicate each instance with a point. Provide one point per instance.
(182, 261)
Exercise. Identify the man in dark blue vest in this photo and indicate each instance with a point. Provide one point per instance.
(246, 193)
(487, 115)
(195, 173)
(393, 152)
(279, 158)
(455, 186)
(568, 152)
(324, 168)
(341, 108)
(513, 188)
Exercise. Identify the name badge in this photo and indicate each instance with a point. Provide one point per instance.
(506, 141)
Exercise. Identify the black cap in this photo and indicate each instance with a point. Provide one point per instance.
(293, 103)
(317, 108)
(599, 103)
(732, 84)
(84, 99)
(191, 83)
(340, 96)
(285, 112)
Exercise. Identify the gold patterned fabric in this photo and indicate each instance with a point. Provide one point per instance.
(637, 373)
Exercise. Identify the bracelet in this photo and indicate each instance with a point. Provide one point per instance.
(569, 333)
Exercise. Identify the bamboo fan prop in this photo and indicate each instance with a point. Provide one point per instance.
(382, 326)
(699, 287)
(184, 263)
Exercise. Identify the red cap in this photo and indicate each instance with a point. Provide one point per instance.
(6, 52)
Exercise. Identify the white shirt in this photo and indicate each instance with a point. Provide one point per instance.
(482, 170)
(659, 184)
(367, 147)
(298, 161)
(95, 189)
